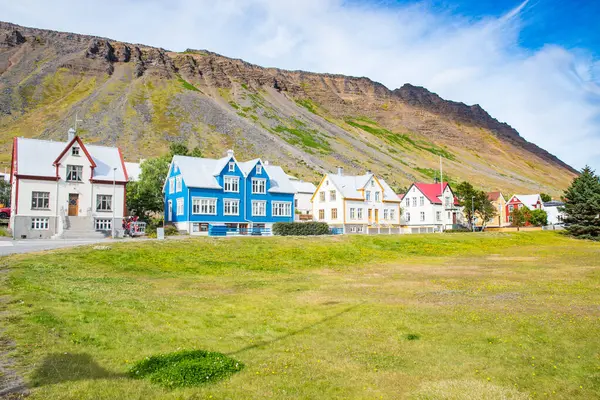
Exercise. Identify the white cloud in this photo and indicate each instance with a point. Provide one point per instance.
(551, 95)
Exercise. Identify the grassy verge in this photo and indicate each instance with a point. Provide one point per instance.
(335, 317)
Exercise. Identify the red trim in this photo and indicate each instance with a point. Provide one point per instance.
(123, 164)
(39, 178)
(17, 197)
(78, 140)
(124, 202)
(13, 164)
(109, 182)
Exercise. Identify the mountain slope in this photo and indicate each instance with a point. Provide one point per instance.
(142, 98)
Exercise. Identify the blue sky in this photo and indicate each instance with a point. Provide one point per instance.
(533, 64)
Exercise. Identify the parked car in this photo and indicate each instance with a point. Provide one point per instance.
(5, 213)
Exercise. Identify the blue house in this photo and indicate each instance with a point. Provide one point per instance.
(205, 195)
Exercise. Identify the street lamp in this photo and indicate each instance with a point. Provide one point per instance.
(113, 201)
(473, 213)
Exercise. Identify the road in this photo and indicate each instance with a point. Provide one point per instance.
(9, 246)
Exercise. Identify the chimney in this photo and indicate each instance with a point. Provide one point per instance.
(266, 162)
(436, 180)
(229, 153)
(71, 134)
(340, 171)
(369, 172)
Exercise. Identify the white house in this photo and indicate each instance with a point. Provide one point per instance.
(356, 204)
(133, 170)
(302, 200)
(430, 207)
(555, 215)
(66, 189)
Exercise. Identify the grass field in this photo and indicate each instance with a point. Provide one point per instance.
(495, 316)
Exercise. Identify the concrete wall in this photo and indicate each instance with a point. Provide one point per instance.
(22, 228)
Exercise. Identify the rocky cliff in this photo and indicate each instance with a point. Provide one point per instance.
(141, 98)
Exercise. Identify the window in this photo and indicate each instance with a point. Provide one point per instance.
(386, 214)
(407, 202)
(392, 214)
(414, 201)
(447, 200)
(258, 169)
(259, 186)
(231, 207)
(231, 184)
(422, 216)
(368, 195)
(438, 215)
(171, 185)
(74, 173)
(377, 196)
(407, 217)
(321, 196)
(180, 206)
(231, 166)
(103, 224)
(321, 214)
(422, 201)
(40, 200)
(75, 151)
(204, 206)
(199, 227)
(332, 195)
(334, 213)
(178, 184)
(170, 212)
(104, 202)
(360, 213)
(449, 215)
(281, 209)
(372, 183)
(259, 208)
(511, 208)
(353, 213)
(39, 224)
(295, 203)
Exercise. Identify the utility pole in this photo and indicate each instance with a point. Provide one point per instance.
(113, 202)
(473, 213)
(442, 196)
(77, 120)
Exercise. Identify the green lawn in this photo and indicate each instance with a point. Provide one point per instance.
(490, 315)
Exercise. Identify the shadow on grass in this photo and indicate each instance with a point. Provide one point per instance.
(65, 367)
(296, 332)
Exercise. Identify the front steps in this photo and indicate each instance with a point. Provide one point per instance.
(81, 228)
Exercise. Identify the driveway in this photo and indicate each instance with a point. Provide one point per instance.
(9, 246)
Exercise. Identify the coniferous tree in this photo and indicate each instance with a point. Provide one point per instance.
(582, 206)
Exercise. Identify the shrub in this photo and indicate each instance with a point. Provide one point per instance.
(459, 229)
(300, 228)
(185, 368)
(171, 230)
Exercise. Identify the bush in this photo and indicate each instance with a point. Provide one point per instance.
(186, 368)
(458, 230)
(171, 230)
(300, 228)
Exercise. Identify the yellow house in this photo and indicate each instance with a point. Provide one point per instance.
(499, 203)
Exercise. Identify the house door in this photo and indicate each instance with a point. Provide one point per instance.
(376, 216)
(243, 229)
(169, 210)
(73, 204)
(453, 218)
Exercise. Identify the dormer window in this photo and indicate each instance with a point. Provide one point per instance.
(75, 151)
(258, 169)
(74, 173)
(231, 167)
(372, 183)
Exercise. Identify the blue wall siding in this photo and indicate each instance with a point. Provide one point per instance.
(244, 196)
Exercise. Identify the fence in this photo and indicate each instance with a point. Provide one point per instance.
(222, 230)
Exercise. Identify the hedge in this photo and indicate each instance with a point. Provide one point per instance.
(300, 228)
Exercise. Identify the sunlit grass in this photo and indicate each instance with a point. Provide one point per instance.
(334, 317)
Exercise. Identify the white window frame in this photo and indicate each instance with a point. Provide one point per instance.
(408, 202)
(230, 183)
(386, 214)
(438, 215)
(171, 185)
(359, 213)
(180, 206)
(368, 195)
(233, 205)
(258, 169)
(377, 194)
(281, 209)
(332, 195)
(352, 213)
(75, 151)
(261, 183)
(322, 196)
(74, 173)
(103, 224)
(40, 224)
(37, 197)
(203, 205)
(414, 202)
(104, 200)
(422, 216)
(169, 210)
(231, 166)
(258, 211)
(392, 214)
(421, 201)
(178, 184)
(407, 217)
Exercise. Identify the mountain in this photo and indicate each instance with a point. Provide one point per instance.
(141, 98)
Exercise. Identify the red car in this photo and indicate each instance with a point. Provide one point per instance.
(5, 213)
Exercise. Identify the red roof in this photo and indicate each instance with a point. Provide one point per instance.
(401, 196)
(493, 196)
(432, 191)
